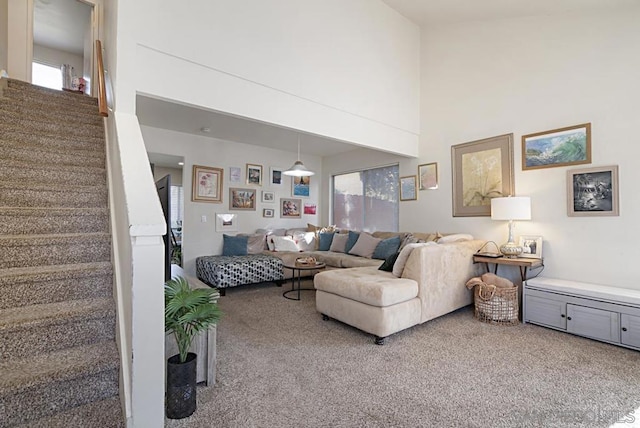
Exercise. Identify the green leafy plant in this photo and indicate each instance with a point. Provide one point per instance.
(188, 311)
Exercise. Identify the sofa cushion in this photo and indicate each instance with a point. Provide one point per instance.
(388, 263)
(365, 246)
(351, 241)
(234, 245)
(386, 248)
(306, 241)
(324, 240)
(339, 242)
(284, 243)
(256, 243)
(367, 285)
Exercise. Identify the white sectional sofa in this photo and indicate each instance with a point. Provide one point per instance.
(431, 284)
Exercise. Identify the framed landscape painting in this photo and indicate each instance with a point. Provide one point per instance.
(482, 170)
(242, 199)
(558, 147)
(408, 188)
(206, 184)
(593, 192)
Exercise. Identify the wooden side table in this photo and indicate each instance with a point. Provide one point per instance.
(522, 262)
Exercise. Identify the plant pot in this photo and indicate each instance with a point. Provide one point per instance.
(181, 386)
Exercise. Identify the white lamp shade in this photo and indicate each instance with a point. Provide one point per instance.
(298, 170)
(511, 208)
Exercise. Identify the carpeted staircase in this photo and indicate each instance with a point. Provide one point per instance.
(58, 358)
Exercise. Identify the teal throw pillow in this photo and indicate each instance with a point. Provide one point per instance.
(234, 245)
(386, 248)
(325, 239)
(388, 263)
(351, 241)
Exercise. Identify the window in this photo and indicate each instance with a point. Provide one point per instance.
(367, 200)
(47, 76)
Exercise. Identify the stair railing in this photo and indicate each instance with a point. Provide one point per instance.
(102, 85)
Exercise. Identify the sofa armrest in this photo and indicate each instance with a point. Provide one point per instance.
(442, 271)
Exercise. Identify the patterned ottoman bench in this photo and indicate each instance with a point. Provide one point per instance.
(222, 272)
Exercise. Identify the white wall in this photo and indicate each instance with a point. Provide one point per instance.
(347, 70)
(19, 39)
(56, 57)
(175, 173)
(4, 23)
(200, 238)
(528, 75)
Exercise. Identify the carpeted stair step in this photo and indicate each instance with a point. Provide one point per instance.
(11, 119)
(21, 194)
(55, 95)
(38, 250)
(50, 284)
(50, 140)
(52, 113)
(40, 386)
(22, 152)
(52, 174)
(102, 414)
(64, 324)
(13, 95)
(41, 221)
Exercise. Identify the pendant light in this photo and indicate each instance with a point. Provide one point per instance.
(298, 169)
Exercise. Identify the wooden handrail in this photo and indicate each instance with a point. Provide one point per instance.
(102, 86)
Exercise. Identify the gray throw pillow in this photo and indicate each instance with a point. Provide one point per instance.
(339, 242)
(365, 246)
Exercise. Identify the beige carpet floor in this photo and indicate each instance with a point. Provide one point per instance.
(281, 365)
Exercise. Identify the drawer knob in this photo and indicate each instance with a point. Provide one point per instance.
(569, 318)
(562, 315)
(624, 328)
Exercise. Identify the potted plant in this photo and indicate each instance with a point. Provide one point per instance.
(187, 312)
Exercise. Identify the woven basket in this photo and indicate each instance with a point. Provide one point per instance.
(496, 305)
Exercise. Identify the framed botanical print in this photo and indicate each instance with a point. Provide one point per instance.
(482, 170)
(206, 185)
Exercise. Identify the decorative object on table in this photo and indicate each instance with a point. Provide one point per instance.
(531, 246)
(267, 212)
(511, 208)
(269, 197)
(187, 312)
(428, 176)
(408, 188)
(298, 169)
(300, 186)
(593, 192)
(486, 253)
(310, 208)
(226, 222)
(558, 147)
(290, 208)
(235, 174)
(495, 299)
(254, 174)
(242, 199)
(482, 170)
(275, 175)
(306, 261)
(206, 184)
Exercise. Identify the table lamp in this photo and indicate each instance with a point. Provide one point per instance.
(511, 208)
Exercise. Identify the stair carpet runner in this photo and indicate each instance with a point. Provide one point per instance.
(59, 364)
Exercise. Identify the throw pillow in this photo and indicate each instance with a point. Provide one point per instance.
(353, 238)
(234, 245)
(255, 244)
(403, 256)
(386, 248)
(284, 243)
(339, 242)
(456, 237)
(324, 242)
(408, 239)
(306, 241)
(365, 246)
(388, 263)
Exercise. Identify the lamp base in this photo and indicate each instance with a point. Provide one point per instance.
(511, 250)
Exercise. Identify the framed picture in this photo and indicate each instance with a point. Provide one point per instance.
(242, 199)
(300, 186)
(428, 176)
(275, 176)
(482, 170)
(593, 192)
(206, 185)
(532, 246)
(290, 208)
(226, 222)
(408, 188)
(254, 174)
(267, 212)
(269, 197)
(235, 174)
(558, 147)
(310, 208)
